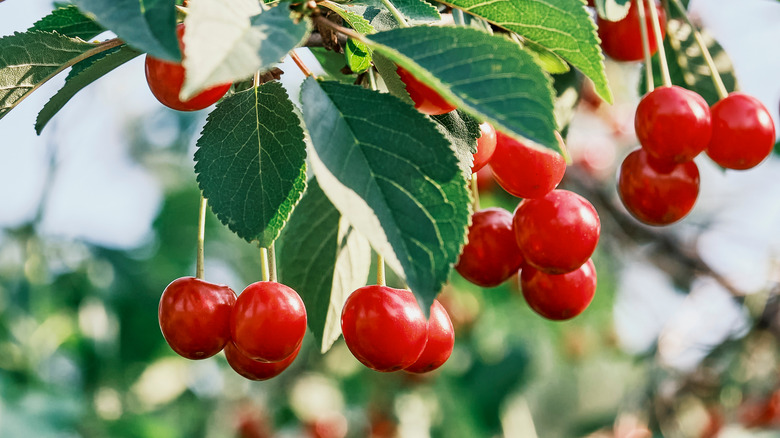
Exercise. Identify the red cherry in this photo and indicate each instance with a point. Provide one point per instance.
(657, 193)
(165, 79)
(486, 145)
(556, 233)
(194, 316)
(425, 99)
(255, 369)
(441, 339)
(383, 327)
(524, 171)
(743, 133)
(491, 255)
(622, 40)
(268, 321)
(673, 124)
(559, 297)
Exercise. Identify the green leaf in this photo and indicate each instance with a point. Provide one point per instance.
(357, 53)
(393, 176)
(324, 259)
(487, 76)
(249, 40)
(462, 131)
(69, 21)
(687, 67)
(27, 60)
(147, 25)
(332, 63)
(389, 74)
(613, 10)
(81, 75)
(564, 27)
(416, 11)
(251, 162)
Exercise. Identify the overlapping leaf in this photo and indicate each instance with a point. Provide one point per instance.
(357, 53)
(83, 74)
(69, 21)
(324, 259)
(29, 59)
(393, 176)
(251, 162)
(249, 40)
(562, 26)
(489, 77)
(147, 25)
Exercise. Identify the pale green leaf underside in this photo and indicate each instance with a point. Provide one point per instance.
(324, 260)
(489, 77)
(29, 59)
(147, 25)
(393, 176)
(248, 41)
(81, 75)
(69, 21)
(250, 162)
(562, 26)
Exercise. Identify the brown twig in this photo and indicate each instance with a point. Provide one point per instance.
(301, 65)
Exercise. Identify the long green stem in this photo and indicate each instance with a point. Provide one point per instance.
(199, 258)
(659, 41)
(475, 191)
(645, 45)
(264, 266)
(272, 262)
(716, 79)
(396, 13)
(380, 270)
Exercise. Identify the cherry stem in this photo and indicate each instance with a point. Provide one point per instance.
(475, 191)
(201, 252)
(645, 45)
(716, 79)
(380, 270)
(341, 29)
(264, 265)
(659, 42)
(272, 262)
(299, 62)
(396, 13)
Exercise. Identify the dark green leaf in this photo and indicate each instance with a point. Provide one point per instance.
(248, 41)
(27, 60)
(324, 259)
(564, 27)
(251, 162)
(147, 25)
(462, 131)
(81, 75)
(69, 21)
(393, 176)
(357, 53)
(613, 10)
(489, 77)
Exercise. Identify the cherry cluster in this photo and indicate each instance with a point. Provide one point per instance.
(261, 331)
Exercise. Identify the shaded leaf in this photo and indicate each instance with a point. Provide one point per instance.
(462, 131)
(69, 21)
(358, 54)
(332, 63)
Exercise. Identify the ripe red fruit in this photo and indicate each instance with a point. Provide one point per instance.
(441, 339)
(559, 297)
(255, 369)
(622, 40)
(743, 133)
(491, 255)
(556, 233)
(486, 145)
(673, 124)
(425, 99)
(268, 321)
(523, 171)
(194, 316)
(657, 193)
(383, 327)
(166, 78)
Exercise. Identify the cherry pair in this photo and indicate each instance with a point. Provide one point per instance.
(261, 330)
(385, 330)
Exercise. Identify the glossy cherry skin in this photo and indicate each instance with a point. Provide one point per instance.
(383, 327)
(194, 316)
(657, 193)
(524, 171)
(426, 100)
(673, 124)
(486, 145)
(491, 255)
(441, 340)
(165, 80)
(254, 369)
(743, 133)
(556, 233)
(559, 297)
(268, 321)
(622, 40)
